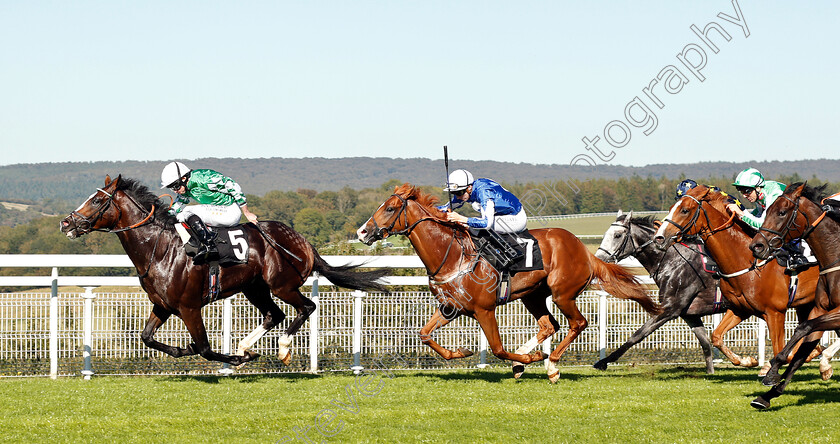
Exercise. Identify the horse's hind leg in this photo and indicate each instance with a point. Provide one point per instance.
(158, 316)
(548, 326)
(826, 370)
(260, 297)
(577, 323)
(304, 307)
(699, 330)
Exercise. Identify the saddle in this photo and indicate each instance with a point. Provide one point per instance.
(231, 242)
(526, 250)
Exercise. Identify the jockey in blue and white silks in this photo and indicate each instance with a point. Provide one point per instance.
(500, 210)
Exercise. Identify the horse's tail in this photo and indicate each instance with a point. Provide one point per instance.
(619, 282)
(348, 277)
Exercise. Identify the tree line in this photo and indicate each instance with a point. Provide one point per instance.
(329, 218)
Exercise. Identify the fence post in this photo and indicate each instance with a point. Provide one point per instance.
(313, 327)
(87, 336)
(482, 349)
(762, 339)
(602, 324)
(53, 341)
(357, 331)
(227, 326)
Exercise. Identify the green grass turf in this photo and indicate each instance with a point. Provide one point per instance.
(623, 404)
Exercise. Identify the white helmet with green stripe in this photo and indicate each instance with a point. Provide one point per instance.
(749, 178)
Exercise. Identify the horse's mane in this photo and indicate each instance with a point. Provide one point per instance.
(814, 194)
(146, 199)
(410, 192)
(645, 221)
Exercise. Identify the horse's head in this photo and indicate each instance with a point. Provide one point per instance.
(97, 212)
(783, 222)
(617, 242)
(392, 216)
(684, 218)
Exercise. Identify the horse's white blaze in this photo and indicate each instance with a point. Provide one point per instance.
(86, 201)
(361, 233)
(608, 243)
(248, 341)
(665, 223)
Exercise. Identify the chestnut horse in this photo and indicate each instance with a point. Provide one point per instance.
(279, 261)
(798, 214)
(466, 284)
(761, 289)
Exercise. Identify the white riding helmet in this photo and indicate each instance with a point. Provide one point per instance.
(172, 172)
(459, 180)
(750, 178)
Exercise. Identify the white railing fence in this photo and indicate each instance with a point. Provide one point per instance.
(95, 331)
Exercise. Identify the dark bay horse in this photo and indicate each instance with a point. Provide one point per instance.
(685, 289)
(761, 289)
(465, 284)
(798, 214)
(279, 261)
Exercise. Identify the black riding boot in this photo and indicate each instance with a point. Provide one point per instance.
(796, 256)
(207, 251)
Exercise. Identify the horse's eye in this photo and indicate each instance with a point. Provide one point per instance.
(389, 209)
(96, 201)
(617, 235)
(684, 210)
(782, 212)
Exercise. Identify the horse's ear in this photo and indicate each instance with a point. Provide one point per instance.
(107, 179)
(629, 216)
(798, 191)
(619, 213)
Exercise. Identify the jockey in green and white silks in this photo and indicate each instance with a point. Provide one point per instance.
(221, 202)
(751, 184)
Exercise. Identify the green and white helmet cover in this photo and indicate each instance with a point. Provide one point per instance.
(750, 177)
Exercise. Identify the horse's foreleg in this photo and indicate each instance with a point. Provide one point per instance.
(195, 326)
(729, 321)
(272, 315)
(158, 316)
(487, 320)
(808, 333)
(436, 321)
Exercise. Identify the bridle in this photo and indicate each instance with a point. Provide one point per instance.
(778, 238)
(704, 233)
(620, 254)
(378, 232)
(84, 224)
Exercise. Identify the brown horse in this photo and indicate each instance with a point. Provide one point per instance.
(760, 289)
(279, 261)
(466, 284)
(797, 214)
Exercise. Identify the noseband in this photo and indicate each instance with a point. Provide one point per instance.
(85, 224)
(619, 254)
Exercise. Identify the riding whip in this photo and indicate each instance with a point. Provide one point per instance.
(446, 164)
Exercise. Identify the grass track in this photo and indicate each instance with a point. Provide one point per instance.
(623, 404)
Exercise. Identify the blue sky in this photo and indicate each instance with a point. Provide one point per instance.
(505, 81)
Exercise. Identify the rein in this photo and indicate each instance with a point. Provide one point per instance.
(103, 207)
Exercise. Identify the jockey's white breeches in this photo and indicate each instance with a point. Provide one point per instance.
(213, 215)
(510, 223)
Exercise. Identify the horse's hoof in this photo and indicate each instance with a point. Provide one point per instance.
(518, 370)
(251, 356)
(287, 359)
(826, 371)
(760, 403)
(749, 362)
(601, 365)
(465, 353)
(554, 377)
(763, 372)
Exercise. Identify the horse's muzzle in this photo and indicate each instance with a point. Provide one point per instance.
(367, 236)
(70, 227)
(760, 250)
